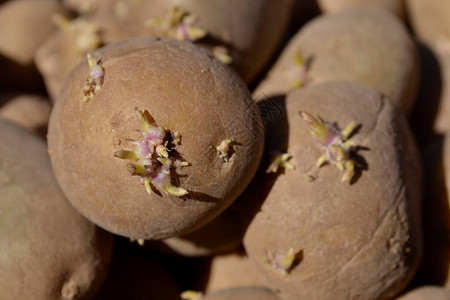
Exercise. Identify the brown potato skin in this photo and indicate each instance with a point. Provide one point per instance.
(332, 6)
(242, 293)
(24, 25)
(429, 20)
(48, 250)
(241, 26)
(359, 240)
(380, 54)
(29, 111)
(232, 271)
(185, 90)
(426, 293)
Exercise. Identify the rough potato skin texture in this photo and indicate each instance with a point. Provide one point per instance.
(185, 90)
(364, 45)
(48, 251)
(243, 293)
(359, 240)
(427, 293)
(333, 6)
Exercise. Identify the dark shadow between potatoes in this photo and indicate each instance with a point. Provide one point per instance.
(424, 113)
(434, 268)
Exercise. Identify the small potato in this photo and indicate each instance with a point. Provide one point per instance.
(333, 6)
(363, 45)
(243, 293)
(334, 232)
(232, 271)
(427, 293)
(48, 251)
(430, 20)
(24, 25)
(32, 112)
(160, 143)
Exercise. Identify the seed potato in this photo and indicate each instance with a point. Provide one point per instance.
(317, 237)
(48, 251)
(207, 115)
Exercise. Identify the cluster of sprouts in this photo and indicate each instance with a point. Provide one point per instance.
(181, 25)
(85, 35)
(154, 156)
(335, 142)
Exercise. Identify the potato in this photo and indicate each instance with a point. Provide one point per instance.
(429, 20)
(200, 107)
(379, 54)
(426, 293)
(48, 250)
(435, 267)
(29, 111)
(316, 237)
(244, 293)
(333, 6)
(18, 18)
(232, 271)
(134, 275)
(240, 27)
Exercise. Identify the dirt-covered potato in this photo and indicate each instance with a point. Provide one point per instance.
(430, 20)
(232, 271)
(29, 111)
(332, 6)
(242, 293)
(427, 293)
(24, 25)
(379, 54)
(48, 251)
(435, 267)
(343, 219)
(155, 140)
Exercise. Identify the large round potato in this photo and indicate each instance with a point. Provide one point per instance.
(363, 45)
(317, 237)
(205, 113)
(48, 251)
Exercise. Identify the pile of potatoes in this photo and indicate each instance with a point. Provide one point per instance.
(218, 150)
